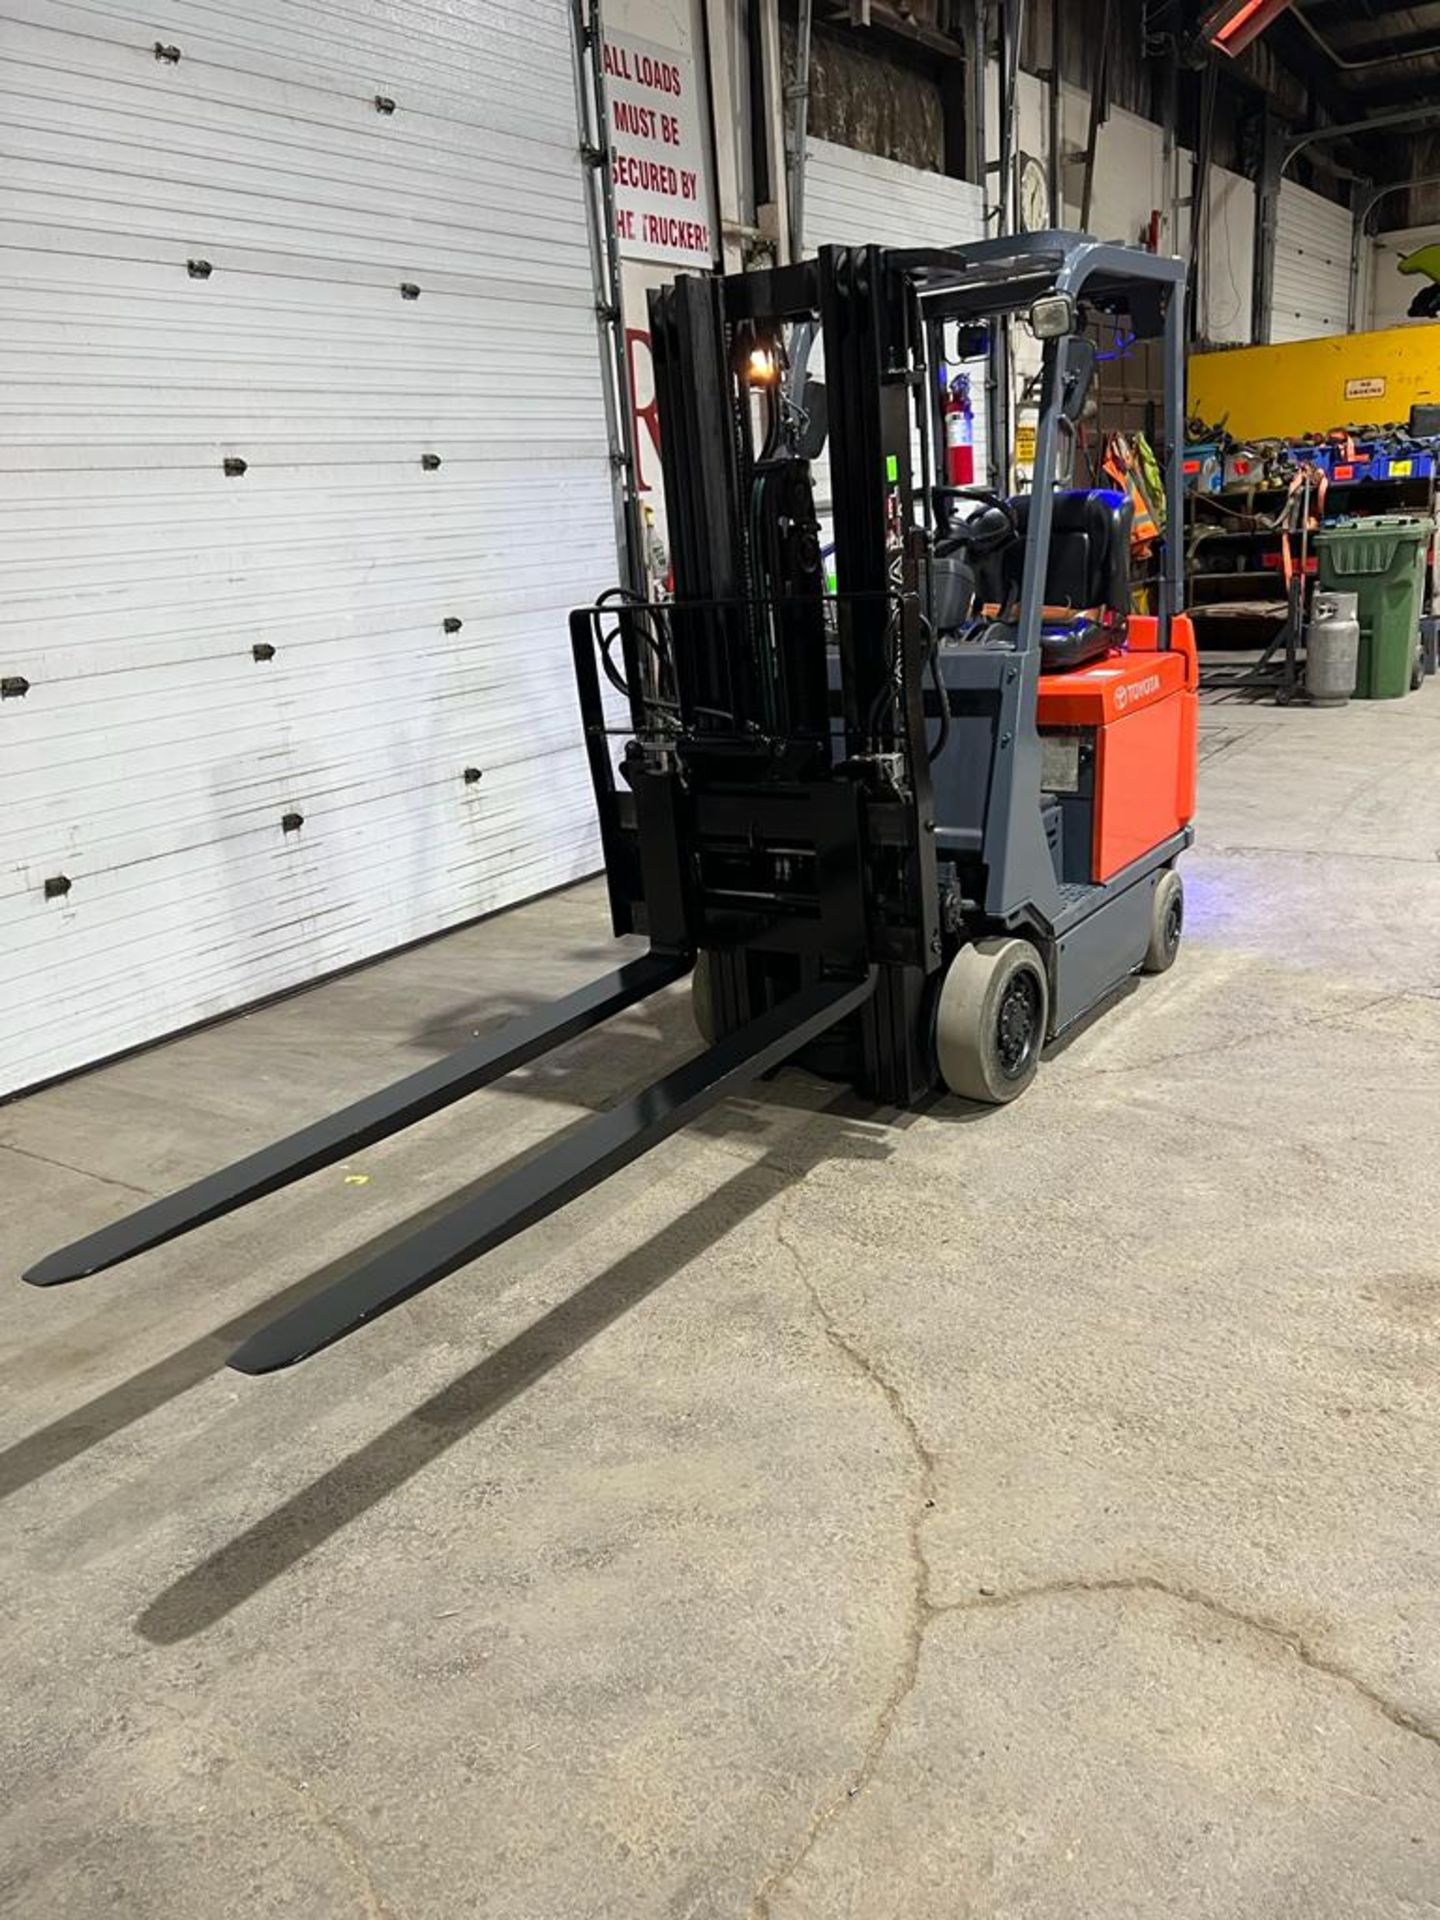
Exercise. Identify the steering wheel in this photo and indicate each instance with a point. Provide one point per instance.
(984, 534)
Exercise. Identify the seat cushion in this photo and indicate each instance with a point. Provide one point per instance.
(1073, 646)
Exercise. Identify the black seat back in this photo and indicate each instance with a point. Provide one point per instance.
(1088, 571)
(1089, 564)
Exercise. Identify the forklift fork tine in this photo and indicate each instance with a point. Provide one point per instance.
(360, 1125)
(569, 1168)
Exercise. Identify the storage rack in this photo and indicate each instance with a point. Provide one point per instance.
(1235, 581)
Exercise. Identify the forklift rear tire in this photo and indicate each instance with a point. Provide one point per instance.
(991, 1020)
(1167, 923)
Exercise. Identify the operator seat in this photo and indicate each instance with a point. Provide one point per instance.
(980, 564)
(1088, 572)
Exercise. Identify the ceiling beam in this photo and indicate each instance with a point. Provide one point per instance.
(1388, 89)
(1386, 50)
(1355, 58)
(1342, 13)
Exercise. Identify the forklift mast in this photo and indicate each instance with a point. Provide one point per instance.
(835, 808)
(754, 821)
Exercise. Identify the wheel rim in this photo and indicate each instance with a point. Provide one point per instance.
(1017, 1024)
(1174, 921)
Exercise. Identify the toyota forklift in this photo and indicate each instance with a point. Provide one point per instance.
(905, 832)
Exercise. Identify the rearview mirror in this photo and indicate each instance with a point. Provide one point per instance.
(1077, 358)
(813, 421)
(965, 342)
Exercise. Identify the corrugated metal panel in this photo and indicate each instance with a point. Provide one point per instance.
(154, 757)
(853, 199)
(1312, 266)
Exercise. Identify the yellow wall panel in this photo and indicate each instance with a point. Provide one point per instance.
(1277, 393)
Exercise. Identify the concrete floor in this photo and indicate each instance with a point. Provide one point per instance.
(1028, 1514)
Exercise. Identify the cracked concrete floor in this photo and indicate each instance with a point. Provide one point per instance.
(1026, 1515)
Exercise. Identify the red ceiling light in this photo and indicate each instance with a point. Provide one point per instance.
(1235, 23)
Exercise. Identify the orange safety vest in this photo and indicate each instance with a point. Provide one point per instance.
(1121, 467)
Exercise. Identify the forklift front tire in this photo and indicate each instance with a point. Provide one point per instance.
(1167, 922)
(991, 1019)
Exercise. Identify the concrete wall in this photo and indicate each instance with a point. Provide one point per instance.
(1130, 176)
(1133, 178)
(1227, 259)
(1130, 166)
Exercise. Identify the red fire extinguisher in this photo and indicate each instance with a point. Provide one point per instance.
(959, 433)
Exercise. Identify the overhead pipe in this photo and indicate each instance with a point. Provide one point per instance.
(1054, 178)
(759, 143)
(976, 27)
(1012, 27)
(1377, 123)
(1267, 221)
(797, 123)
(1099, 114)
(1200, 205)
(1396, 186)
(974, 31)
(712, 144)
(593, 117)
(1373, 60)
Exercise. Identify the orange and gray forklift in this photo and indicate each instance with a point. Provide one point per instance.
(906, 832)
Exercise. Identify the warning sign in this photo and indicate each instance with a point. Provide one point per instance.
(662, 197)
(1373, 389)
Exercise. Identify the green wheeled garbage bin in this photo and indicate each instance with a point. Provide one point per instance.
(1380, 559)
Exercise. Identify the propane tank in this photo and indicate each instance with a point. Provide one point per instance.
(1332, 648)
(959, 433)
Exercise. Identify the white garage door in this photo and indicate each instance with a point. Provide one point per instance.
(852, 199)
(855, 199)
(261, 724)
(1312, 266)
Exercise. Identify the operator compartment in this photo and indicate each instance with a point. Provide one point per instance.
(1040, 584)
